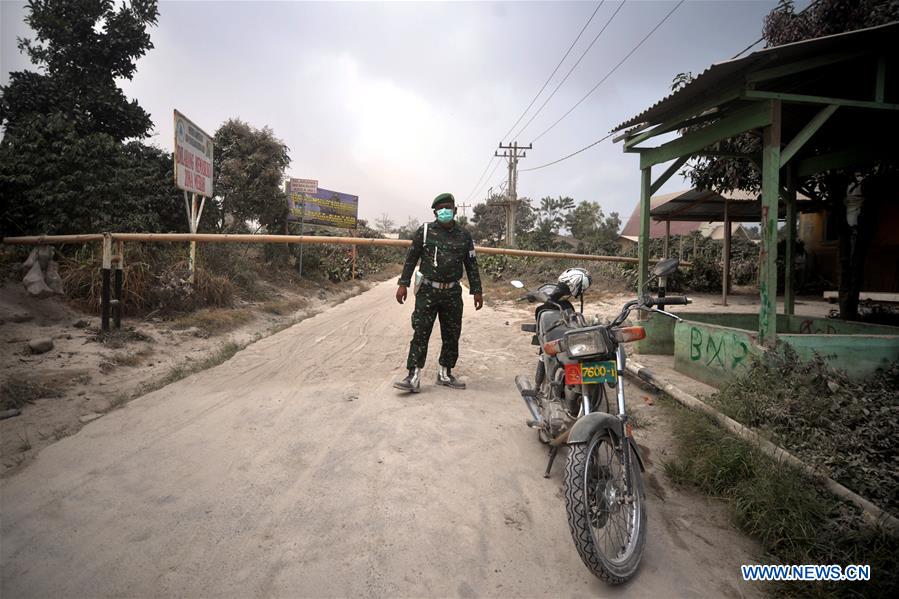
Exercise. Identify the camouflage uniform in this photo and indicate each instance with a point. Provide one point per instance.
(442, 258)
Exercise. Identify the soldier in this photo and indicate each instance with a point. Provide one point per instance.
(443, 247)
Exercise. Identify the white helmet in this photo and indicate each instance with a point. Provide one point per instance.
(576, 279)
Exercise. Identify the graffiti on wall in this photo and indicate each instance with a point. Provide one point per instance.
(719, 349)
(810, 327)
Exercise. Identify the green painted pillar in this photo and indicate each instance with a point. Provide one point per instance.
(643, 247)
(768, 251)
(789, 257)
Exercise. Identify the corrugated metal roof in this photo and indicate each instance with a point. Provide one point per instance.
(724, 74)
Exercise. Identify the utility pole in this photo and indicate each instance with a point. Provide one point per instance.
(463, 207)
(512, 153)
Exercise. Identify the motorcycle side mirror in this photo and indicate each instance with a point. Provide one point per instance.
(517, 284)
(665, 267)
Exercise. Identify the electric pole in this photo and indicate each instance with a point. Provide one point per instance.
(512, 153)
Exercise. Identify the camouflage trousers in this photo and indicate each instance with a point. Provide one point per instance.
(431, 303)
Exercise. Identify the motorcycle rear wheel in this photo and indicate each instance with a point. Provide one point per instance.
(608, 526)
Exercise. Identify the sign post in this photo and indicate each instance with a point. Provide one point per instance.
(301, 188)
(193, 174)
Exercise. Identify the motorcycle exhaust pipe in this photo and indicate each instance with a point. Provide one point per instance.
(527, 391)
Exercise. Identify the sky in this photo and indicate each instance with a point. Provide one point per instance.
(399, 102)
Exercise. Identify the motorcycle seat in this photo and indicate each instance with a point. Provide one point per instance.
(550, 325)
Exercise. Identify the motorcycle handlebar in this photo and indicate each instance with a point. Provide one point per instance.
(671, 300)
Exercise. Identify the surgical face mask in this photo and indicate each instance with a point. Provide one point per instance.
(445, 215)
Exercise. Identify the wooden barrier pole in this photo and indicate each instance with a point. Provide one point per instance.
(118, 284)
(104, 282)
(305, 239)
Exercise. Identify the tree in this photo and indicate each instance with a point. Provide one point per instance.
(65, 165)
(83, 47)
(408, 230)
(384, 224)
(784, 25)
(488, 219)
(248, 174)
(551, 217)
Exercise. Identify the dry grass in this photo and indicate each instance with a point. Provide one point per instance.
(18, 390)
(284, 307)
(214, 321)
(222, 354)
(130, 359)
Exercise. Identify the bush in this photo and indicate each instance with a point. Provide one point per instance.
(818, 413)
(707, 262)
(796, 520)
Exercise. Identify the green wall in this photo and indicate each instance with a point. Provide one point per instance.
(857, 355)
(713, 354)
(660, 329)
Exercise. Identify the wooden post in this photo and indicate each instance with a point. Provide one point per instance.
(118, 284)
(191, 261)
(643, 247)
(667, 237)
(768, 250)
(789, 257)
(725, 281)
(105, 268)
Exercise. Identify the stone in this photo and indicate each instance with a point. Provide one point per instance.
(34, 282)
(52, 278)
(20, 317)
(82, 324)
(42, 278)
(89, 417)
(40, 345)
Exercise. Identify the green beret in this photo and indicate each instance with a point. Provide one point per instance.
(442, 198)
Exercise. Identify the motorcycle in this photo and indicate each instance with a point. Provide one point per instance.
(568, 404)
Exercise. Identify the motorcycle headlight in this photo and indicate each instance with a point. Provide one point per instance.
(586, 343)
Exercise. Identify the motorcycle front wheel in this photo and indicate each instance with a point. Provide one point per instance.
(607, 523)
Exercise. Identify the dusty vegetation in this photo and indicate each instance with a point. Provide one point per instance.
(846, 428)
(18, 390)
(796, 520)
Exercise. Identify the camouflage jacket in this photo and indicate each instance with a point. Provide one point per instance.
(442, 256)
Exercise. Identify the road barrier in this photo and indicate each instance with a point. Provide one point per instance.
(113, 305)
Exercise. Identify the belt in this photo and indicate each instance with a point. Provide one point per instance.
(437, 285)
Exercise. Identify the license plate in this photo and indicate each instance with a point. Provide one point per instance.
(590, 373)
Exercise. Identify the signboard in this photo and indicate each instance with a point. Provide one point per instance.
(324, 207)
(193, 157)
(303, 186)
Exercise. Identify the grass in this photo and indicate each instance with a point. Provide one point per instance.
(847, 428)
(125, 359)
(221, 355)
(794, 518)
(117, 339)
(284, 307)
(24, 442)
(214, 321)
(18, 390)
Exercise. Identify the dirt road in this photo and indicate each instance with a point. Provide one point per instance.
(294, 469)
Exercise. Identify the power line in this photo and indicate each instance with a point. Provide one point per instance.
(567, 157)
(587, 147)
(743, 51)
(475, 188)
(615, 68)
(478, 189)
(551, 75)
(571, 70)
(478, 185)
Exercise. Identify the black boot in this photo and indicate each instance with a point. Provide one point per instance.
(446, 378)
(411, 383)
